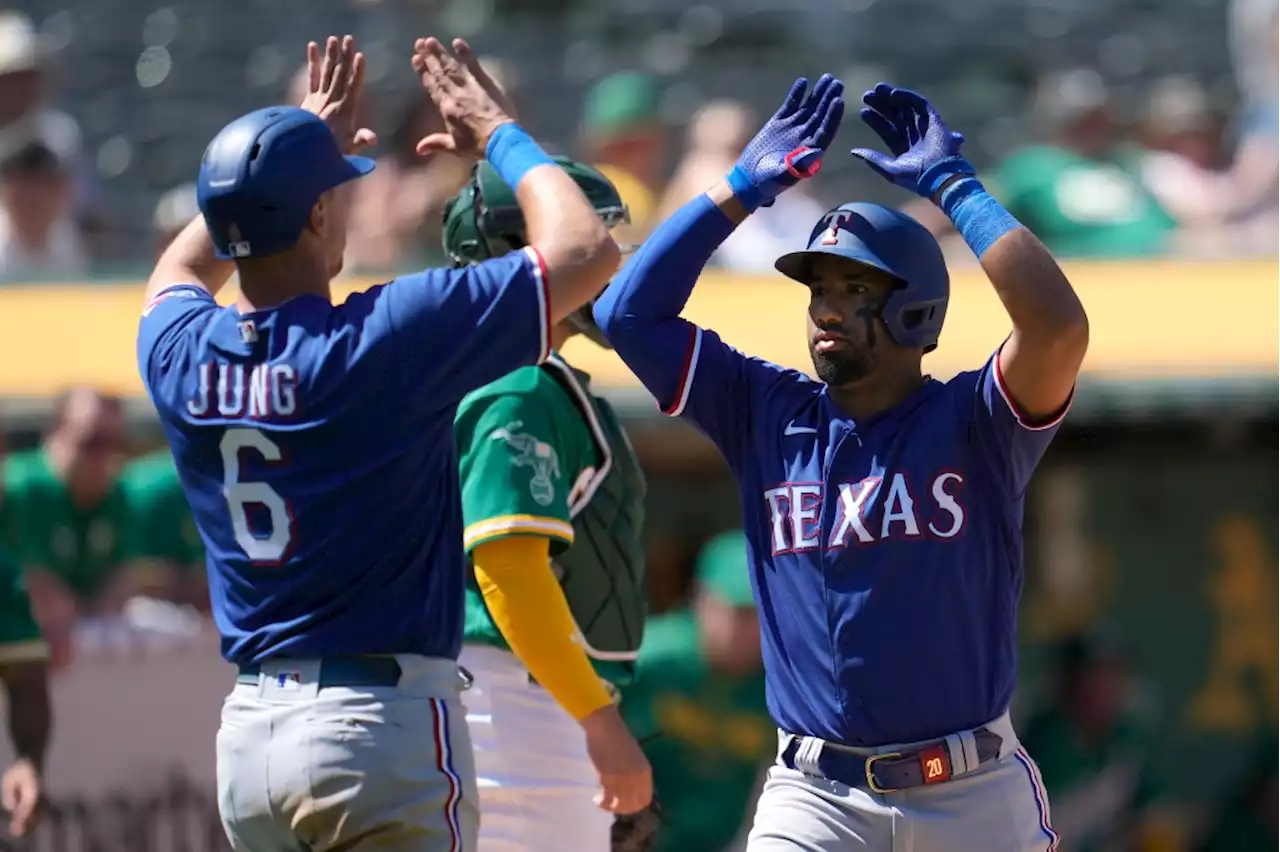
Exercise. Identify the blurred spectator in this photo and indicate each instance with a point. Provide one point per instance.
(1248, 819)
(174, 211)
(623, 137)
(395, 218)
(1096, 755)
(1187, 169)
(66, 511)
(717, 134)
(697, 705)
(24, 671)
(166, 554)
(39, 239)
(1081, 191)
(396, 214)
(1256, 165)
(1184, 168)
(1252, 33)
(26, 116)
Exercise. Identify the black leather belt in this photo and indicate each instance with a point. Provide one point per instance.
(335, 671)
(888, 773)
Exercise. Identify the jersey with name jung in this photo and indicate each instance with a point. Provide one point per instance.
(314, 443)
(886, 553)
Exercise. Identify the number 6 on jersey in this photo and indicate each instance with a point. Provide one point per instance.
(239, 495)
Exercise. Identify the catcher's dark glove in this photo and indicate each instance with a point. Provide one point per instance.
(637, 832)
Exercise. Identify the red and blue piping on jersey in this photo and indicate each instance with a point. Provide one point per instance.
(681, 398)
(1025, 420)
(544, 300)
(180, 291)
(444, 763)
(1041, 797)
(640, 309)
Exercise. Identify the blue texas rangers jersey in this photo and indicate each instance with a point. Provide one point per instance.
(314, 443)
(887, 553)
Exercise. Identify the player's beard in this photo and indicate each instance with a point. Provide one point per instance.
(841, 366)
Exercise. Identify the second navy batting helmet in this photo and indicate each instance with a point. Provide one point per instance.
(262, 174)
(892, 242)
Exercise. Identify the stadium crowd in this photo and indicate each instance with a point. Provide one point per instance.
(99, 535)
(1176, 175)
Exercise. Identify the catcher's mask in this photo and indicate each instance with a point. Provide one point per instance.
(484, 220)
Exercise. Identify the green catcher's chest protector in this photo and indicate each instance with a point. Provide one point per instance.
(603, 573)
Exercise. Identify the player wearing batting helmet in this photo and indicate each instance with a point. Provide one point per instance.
(882, 508)
(552, 509)
(313, 442)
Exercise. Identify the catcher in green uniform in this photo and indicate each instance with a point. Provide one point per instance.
(552, 498)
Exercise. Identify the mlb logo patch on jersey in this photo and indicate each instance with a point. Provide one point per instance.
(167, 294)
(289, 681)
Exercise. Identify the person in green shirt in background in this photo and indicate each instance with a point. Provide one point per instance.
(66, 513)
(165, 552)
(1097, 755)
(1081, 192)
(24, 670)
(698, 704)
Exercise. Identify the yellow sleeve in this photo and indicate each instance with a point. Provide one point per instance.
(528, 606)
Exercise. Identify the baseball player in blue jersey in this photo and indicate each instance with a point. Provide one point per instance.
(883, 508)
(314, 443)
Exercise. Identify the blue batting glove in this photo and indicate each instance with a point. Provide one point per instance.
(790, 146)
(926, 154)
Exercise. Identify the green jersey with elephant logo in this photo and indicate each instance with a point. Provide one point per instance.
(540, 455)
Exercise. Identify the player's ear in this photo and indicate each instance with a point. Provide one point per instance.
(319, 215)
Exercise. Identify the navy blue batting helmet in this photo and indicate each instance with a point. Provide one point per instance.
(262, 174)
(892, 242)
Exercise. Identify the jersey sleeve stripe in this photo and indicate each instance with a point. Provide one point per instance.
(506, 525)
(1025, 420)
(29, 651)
(444, 763)
(686, 377)
(539, 267)
(186, 291)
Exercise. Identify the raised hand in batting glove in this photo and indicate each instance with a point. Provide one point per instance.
(925, 152)
(790, 146)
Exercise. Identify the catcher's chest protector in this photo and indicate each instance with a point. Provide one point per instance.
(603, 573)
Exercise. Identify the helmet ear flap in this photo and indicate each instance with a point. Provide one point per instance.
(913, 321)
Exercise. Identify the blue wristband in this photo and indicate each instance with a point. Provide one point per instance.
(512, 153)
(747, 193)
(942, 171)
(979, 218)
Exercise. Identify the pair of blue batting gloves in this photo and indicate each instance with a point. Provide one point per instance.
(923, 153)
